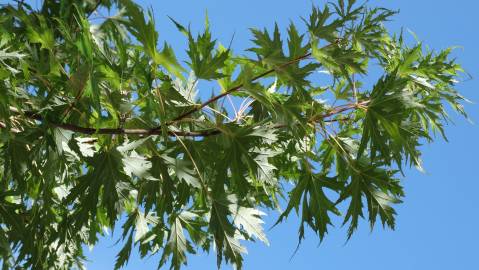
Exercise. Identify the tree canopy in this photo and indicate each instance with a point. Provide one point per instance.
(100, 124)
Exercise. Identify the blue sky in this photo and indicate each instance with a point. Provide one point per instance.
(436, 225)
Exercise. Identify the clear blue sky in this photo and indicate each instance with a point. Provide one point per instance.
(438, 222)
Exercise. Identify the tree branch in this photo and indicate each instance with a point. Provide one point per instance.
(201, 133)
(236, 88)
(333, 111)
(156, 131)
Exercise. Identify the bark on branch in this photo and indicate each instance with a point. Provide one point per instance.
(155, 131)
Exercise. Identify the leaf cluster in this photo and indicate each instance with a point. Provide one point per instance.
(103, 127)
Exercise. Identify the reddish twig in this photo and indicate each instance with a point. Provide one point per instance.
(236, 88)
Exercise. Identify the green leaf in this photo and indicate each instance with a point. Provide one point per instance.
(143, 30)
(270, 49)
(40, 32)
(205, 61)
(137, 165)
(225, 235)
(124, 255)
(378, 188)
(62, 137)
(100, 186)
(338, 60)
(184, 171)
(167, 59)
(177, 244)
(250, 220)
(78, 80)
(316, 207)
(141, 226)
(9, 55)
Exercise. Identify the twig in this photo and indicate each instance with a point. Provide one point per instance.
(238, 87)
(355, 91)
(98, 2)
(234, 89)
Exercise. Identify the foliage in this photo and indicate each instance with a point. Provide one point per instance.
(101, 124)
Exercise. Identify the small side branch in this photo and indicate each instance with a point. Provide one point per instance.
(236, 88)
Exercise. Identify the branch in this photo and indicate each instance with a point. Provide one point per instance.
(112, 131)
(156, 131)
(346, 107)
(236, 88)
(201, 133)
(333, 111)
